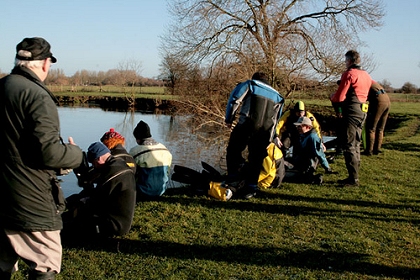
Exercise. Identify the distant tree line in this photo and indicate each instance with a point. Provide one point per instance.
(406, 88)
(127, 74)
(184, 78)
(113, 77)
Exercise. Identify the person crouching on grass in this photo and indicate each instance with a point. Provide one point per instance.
(308, 153)
(108, 208)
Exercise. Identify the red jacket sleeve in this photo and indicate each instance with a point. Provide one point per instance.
(361, 82)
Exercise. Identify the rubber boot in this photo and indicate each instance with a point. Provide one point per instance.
(378, 143)
(370, 142)
(250, 191)
(38, 275)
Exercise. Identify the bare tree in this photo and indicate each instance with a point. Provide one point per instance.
(100, 78)
(56, 77)
(76, 80)
(129, 71)
(202, 91)
(173, 72)
(289, 39)
(386, 85)
(408, 88)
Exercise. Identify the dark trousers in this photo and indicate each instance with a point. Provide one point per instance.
(305, 163)
(341, 135)
(243, 136)
(238, 141)
(351, 149)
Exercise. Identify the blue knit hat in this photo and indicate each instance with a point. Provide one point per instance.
(96, 150)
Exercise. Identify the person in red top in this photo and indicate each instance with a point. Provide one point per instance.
(350, 103)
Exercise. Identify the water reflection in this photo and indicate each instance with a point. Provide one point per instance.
(188, 148)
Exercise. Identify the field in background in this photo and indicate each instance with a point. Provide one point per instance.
(145, 92)
(113, 91)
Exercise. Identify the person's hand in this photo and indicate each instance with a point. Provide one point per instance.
(277, 142)
(71, 141)
(323, 147)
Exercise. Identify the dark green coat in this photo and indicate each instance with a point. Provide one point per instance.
(31, 153)
(108, 208)
(114, 198)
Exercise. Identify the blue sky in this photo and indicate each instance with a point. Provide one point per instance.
(97, 35)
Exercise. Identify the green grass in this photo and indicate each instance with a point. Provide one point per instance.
(295, 232)
(112, 91)
(105, 89)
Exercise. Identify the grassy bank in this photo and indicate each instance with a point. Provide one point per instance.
(295, 232)
(161, 93)
(108, 89)
(112, 91)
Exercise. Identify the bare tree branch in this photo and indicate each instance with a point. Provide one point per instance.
(208, 30)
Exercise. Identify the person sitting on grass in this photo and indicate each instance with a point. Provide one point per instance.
(287, 135)
(308, 153)
(153, 162)
(108, 208)
(116, 144)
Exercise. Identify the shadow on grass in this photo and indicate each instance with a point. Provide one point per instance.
(249, 255)
(395, 121)
(298, 210)
(406, 147)
(325, 258)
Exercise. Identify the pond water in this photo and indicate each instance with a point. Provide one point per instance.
(188, 148)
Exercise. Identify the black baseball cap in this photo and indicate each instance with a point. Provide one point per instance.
(38, 47)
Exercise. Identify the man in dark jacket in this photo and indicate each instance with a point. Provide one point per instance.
(108, 208)
(260, 108)
(31, 200)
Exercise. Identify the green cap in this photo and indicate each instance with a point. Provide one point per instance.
(299, 106)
